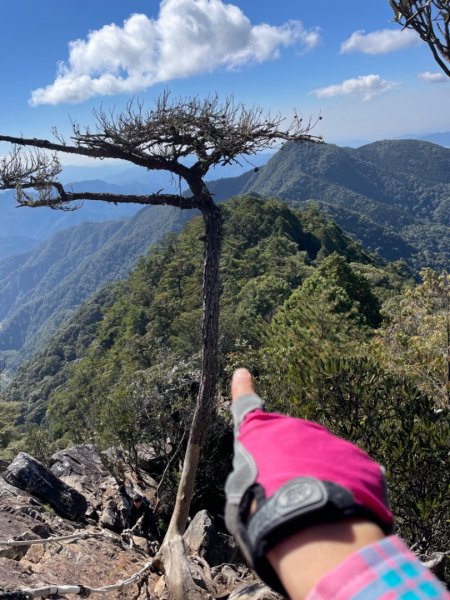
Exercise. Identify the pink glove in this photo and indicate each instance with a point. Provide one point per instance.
(298, 474)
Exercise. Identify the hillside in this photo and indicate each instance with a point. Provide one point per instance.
(393, 196)
(22, 229)
(154, 316)
(302, 305)
(42, 288)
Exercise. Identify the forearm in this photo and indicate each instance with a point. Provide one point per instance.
(303, 559)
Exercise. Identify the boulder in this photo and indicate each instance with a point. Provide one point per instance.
(28, 474)
(82, 461)
(110, 517)
(148, 459)
(20, 512)
(203, 539)
(82, 468)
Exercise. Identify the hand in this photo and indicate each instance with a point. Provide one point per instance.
(294, 478)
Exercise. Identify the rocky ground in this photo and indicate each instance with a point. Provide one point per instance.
(79, 498)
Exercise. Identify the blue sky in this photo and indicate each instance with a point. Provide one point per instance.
(347, 61)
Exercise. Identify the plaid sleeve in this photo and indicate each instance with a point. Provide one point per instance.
(385, 570)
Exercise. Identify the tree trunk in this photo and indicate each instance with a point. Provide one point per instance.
(172, 551)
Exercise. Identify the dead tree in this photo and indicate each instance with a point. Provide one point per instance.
(185, 137)
(431, 20)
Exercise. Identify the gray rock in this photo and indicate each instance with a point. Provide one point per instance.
(148, 458)
(82, 468)
(28, 474)
(82, 460)
(203, 539)
(110, 517)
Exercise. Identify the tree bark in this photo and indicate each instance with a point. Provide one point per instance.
(172, 551)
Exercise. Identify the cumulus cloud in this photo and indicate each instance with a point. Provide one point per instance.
(366, 86)
(433, 77)
(380, 42)
(187, 38)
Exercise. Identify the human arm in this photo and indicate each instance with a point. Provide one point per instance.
(271, 445)
(310, 511)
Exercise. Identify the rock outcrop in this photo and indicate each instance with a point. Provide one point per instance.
(69, 499)
(28, 474)
(82, 469)
(81, 500)
(203, 539)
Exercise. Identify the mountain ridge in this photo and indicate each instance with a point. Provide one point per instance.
(398, 185)
(393, 196)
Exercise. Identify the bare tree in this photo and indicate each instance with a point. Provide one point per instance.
(431, 20)
(169, 137)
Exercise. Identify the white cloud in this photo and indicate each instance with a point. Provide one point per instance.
(380, 42)
(366, 86)
(432, 77)
(187, 38)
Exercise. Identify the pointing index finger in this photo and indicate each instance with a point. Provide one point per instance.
(241, 384)
(243, 395)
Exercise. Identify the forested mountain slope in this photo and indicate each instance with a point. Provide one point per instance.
(393, 195)
(22, 229)
(47, 369)
(39, 290)
(155, 314)
(303, 306)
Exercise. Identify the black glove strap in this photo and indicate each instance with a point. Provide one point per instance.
(300, 503)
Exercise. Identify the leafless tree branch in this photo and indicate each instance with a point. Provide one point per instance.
(209, 131)
(431, 20)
